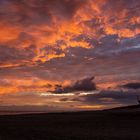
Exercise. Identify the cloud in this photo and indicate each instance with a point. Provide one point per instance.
(107, 98)
(16, 57)
(132, 85)
(48, 22)
(34, 12)
(64, 40)
(80, 85)
(11, 54)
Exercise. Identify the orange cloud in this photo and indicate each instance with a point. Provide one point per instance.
(8, 33)
(38, 31)
(85, 18)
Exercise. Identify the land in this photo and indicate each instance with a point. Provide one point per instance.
(114, 124)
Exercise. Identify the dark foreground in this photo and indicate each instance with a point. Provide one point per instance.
(118, 124)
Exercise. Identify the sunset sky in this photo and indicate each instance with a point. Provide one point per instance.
(69, 54)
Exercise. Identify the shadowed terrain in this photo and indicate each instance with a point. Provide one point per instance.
(115, 124)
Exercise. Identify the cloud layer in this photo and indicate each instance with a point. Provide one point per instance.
(49, 45)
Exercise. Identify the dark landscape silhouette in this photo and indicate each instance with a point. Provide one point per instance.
(112, 124)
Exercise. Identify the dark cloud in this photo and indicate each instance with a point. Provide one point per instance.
(38, 11)
(132, 86)
(108, 97)
(81, 85)
(66, 8)
(11, 54)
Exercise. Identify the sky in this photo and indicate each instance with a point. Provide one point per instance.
(69, 54)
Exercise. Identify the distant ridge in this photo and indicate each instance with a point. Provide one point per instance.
(126, 108)
(130, 108)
